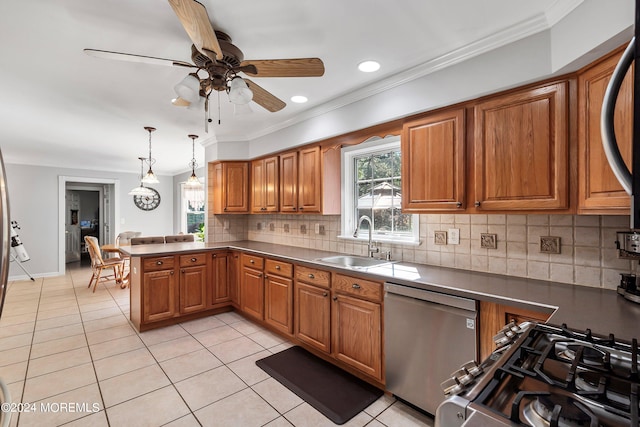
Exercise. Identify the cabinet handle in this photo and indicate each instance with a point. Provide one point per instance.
(335, 298)
(159, 262)
(477, 204)
(302, 208)
(225, 209)
(277, 267)
(355, 286)
(259, 274)
(214, 255)
(311, 276)
(194, 259)
(171, 273)
(252, 261)
(459, 204)
(294, 208)
(182, 271)
(324, 294)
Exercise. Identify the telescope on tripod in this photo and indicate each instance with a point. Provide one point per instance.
(18, 252)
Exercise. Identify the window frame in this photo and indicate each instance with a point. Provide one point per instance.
(184, 207)
(348, 217)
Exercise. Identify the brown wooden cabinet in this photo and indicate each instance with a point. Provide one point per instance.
(193, 283)
(494, 316)
(433, 162)
(252, 286)
(264, 185)
(219, 282)
(310, 181)
(599, 191)
(357, 324)
(234, 278)
(278, 295)
(521, 150)
(312, 308)
(160, 296)
(229, 189)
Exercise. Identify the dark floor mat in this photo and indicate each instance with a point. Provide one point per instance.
(335, 393)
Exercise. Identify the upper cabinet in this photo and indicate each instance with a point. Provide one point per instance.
(264, 185)
(433, 159)
(310, 181)
(521, 150)
(599, 191)
(229, 188)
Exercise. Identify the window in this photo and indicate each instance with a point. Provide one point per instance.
(372, 187)
(192, 211)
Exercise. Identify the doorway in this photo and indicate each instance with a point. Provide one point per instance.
(87, 206)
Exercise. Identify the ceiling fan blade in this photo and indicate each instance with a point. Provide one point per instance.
(195, 20)
(136, 58)
(265, 98)
(301, 67)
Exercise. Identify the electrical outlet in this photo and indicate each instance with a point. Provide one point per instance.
(272, 227)
(286, 228)
(321, 230)
(317, 228)
(303, 229)
(225, 224)
(453, 236)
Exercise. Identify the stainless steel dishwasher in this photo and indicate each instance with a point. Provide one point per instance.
(428, 336)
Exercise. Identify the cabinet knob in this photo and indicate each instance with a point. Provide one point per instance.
(214, 255)
(171, 273)
(324, 294)
(259, 274)
(194, 259)
(277, 267)
(459, 204)
(335, 298)
(302, 208)
(266, 277)
(477, 204)
(159, 262)
(252, 261)
(295, 209)
(355, 286)
(311, 276)
(182, 271)
(225, 209)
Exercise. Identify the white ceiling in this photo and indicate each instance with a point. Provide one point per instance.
(61, 107)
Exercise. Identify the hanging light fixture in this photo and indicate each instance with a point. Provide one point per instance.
(239, 92)
(193, 181)
(141, 190)
(150, 177)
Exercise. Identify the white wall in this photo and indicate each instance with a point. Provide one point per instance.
(33, 198)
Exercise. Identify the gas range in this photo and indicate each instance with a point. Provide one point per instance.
(543, 375)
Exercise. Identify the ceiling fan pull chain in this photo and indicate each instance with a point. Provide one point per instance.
(219, 116)
(206, 114)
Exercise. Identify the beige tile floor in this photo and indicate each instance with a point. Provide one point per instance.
(74, 357)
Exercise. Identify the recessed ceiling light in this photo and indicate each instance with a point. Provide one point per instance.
(299, 99)
(369, 66)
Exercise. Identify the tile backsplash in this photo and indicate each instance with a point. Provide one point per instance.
(587, 255)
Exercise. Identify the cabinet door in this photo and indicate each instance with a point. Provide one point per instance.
(313, 316)
(278, 310)
(193, 289)
(159, 295)
(234, 278)
(257, 186)
(521, 150)
(252, 293)
(219, 283)
(433, 156)
(357, 334)
(309, 180)
(271, 189)
(599, 191)
(289, 182)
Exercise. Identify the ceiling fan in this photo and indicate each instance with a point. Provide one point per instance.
(217, 63)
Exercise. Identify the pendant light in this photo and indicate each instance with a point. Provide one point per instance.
(150, 177)
(141, 190)
(193, 181)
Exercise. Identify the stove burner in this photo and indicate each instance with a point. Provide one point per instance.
(590, 356)
(558, 411)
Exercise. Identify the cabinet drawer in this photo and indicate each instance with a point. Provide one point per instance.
(193, 259)
(311, 275)
(158, 263)
(279, 268)
(252, 261)
(358, 287)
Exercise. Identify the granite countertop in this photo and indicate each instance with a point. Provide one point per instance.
(580, 307)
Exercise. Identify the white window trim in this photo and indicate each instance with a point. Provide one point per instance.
(348, 225)
(183, 208)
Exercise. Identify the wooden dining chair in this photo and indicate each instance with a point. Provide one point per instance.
(99, 264)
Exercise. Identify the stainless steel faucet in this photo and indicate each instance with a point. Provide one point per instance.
(370, 246)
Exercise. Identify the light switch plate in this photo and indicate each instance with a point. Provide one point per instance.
(453, 236)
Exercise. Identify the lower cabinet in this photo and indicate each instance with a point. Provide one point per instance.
(278, 295)
(193, 283)
(252, 286)
(219, 279)
(160, 295)
(494, 316)
(313, 316)
(233, 270)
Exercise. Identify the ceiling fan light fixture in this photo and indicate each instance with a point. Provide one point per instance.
(239, 92)
(369, 66)
(188, 88)
(299, 99)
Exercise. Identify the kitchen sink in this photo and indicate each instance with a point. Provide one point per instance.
(352, 261)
